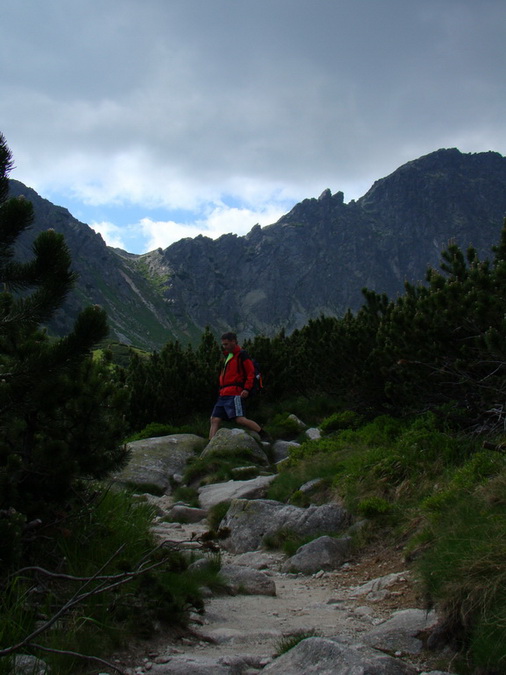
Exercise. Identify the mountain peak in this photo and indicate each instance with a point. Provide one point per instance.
(315, 260)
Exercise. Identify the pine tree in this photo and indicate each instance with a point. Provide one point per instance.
(60, 413)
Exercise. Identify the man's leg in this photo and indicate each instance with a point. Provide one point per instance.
(249, 424)
(215, 425)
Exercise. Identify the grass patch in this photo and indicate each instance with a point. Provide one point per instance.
(464, 572)
(216, 514)
(156, 429)
(285, 427)
(187, 495)
(345, 419)
(288, 541)
(285, 540)
(107, 541)
(215, 468)
(290, 641)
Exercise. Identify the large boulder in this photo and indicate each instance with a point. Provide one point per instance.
(328, 657)
(210, 495)
(182, 513)
(154, 461)
(281, 449)
(400, 633)
(250, 522)
(236, 442)
(25, 664)
(325, 553)
(240, 579)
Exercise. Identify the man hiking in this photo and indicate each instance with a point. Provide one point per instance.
(236, 382)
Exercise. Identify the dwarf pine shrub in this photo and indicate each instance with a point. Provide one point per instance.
(345, 419)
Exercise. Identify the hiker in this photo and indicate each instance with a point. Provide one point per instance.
(236, 382)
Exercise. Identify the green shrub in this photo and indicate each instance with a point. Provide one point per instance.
(311, 410)
(290, 478)
(284, 426)
(286, 540)
(286, 483)
(187, 495)
(464, 572)
(290, 641)
(215, 468)
(346, 419)
(12, 524)
(107, 537)
(156, 429)
(382, 430)
(373, 506)
(299, 498)
(463, 479)
(216, 514)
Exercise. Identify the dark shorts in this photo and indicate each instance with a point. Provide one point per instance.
(228, 407)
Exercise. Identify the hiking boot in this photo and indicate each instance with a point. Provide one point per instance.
(264, 436)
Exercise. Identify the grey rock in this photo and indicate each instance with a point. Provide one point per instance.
(399, 634)
(232, 441)
(311, 485)
(260, 560)
(331, 657)
(250, 522)
(281, 449)
(248, 581)
(245, 472)
(186, 514)
(200, 564)
(255, 488)
(379, 584)
(325, 553)
(154, 460)
(233, 636)
(297, 421)
(181, 664)
(25, 664)
(313, 434)
(232, 664)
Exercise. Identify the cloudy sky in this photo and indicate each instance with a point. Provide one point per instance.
(153, 120)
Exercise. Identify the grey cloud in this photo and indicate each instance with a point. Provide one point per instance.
(308, 92)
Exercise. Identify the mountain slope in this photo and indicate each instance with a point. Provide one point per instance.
(137, 311)
(317, 258)
(314, 260)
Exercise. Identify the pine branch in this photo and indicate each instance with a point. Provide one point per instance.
(497, 448)
(80, 595)
(68, 652)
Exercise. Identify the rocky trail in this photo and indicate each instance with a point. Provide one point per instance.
(352, 614)
(369, 602)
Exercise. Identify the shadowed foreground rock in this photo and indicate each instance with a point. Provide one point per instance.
(235, 441)
(328, 657)
(241, 579)
(154, 461)
(250, 522)
(325, 553)
(210, 495)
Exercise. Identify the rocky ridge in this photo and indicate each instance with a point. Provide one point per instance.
(315, 260)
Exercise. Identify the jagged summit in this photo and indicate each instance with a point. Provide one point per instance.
(314, 260)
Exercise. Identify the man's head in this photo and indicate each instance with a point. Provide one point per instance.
(228, 342)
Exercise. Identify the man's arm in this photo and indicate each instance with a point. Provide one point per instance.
(249, 372)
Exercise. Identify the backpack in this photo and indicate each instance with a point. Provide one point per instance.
(258, 384)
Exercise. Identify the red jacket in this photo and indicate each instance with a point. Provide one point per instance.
(237, 374)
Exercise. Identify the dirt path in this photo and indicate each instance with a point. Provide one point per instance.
(256, 624)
